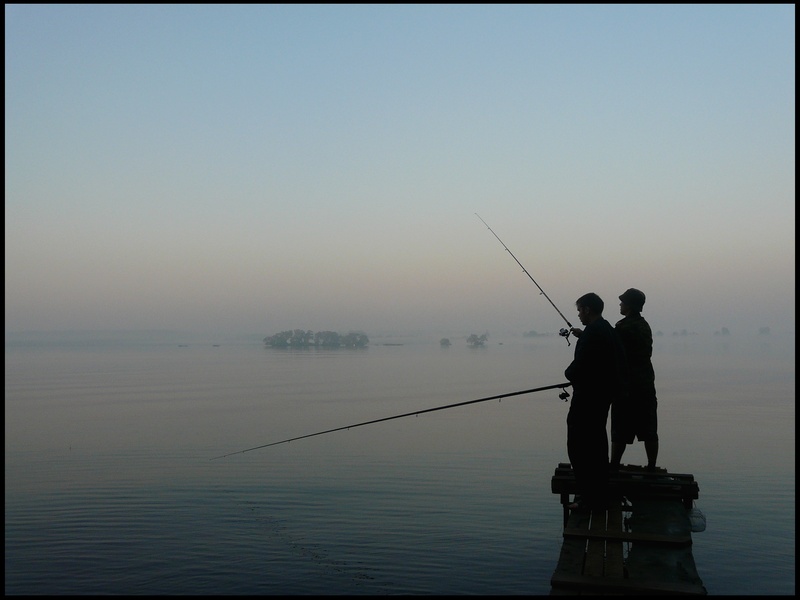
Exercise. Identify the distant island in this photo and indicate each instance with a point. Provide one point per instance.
(302, 338)
(477, 341)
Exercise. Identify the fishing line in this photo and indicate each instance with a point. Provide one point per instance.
(563, 395)
(563, 332)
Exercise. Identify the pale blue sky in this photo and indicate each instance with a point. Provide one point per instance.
(250, 169)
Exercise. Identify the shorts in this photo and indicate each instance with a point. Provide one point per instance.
(635, 419)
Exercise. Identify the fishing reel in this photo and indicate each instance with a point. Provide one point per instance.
(563, 332)
(564, 395)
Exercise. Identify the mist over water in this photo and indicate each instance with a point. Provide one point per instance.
(110, 487)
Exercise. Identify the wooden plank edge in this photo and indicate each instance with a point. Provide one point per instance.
(627, 536)
(583, 583)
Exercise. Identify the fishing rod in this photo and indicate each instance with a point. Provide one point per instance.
(563, 395)
(562, 332)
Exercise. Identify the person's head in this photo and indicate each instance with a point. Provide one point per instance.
(590, 307)
(631, 300)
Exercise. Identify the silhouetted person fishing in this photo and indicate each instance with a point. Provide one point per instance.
(597, 374)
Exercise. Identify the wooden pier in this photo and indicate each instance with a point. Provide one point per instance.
(641, 544)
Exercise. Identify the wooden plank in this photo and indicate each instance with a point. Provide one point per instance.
(561, 483)
(641, 586)
(596, 546)
(630, 471)
(627, 473)
(662, 488)
(628, 536)
(614, 559)
(657, 535)
(573, 551)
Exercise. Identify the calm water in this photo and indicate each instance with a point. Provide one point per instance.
(109, 487)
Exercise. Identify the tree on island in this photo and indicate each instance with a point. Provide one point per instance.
(355, 340)
(475, 341)
(299, 338)
(327, 339)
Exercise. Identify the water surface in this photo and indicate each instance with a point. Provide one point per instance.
(110, 487)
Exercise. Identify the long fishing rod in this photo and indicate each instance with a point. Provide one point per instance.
(563, 395)
(562, 332)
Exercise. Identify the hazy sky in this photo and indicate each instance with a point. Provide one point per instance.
(258, 168)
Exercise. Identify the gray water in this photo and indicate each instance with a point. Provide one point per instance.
(109, 486)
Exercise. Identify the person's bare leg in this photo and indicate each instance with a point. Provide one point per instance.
(651, 449)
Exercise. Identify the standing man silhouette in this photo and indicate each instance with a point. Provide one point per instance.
(598, 378)
(636, 416)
